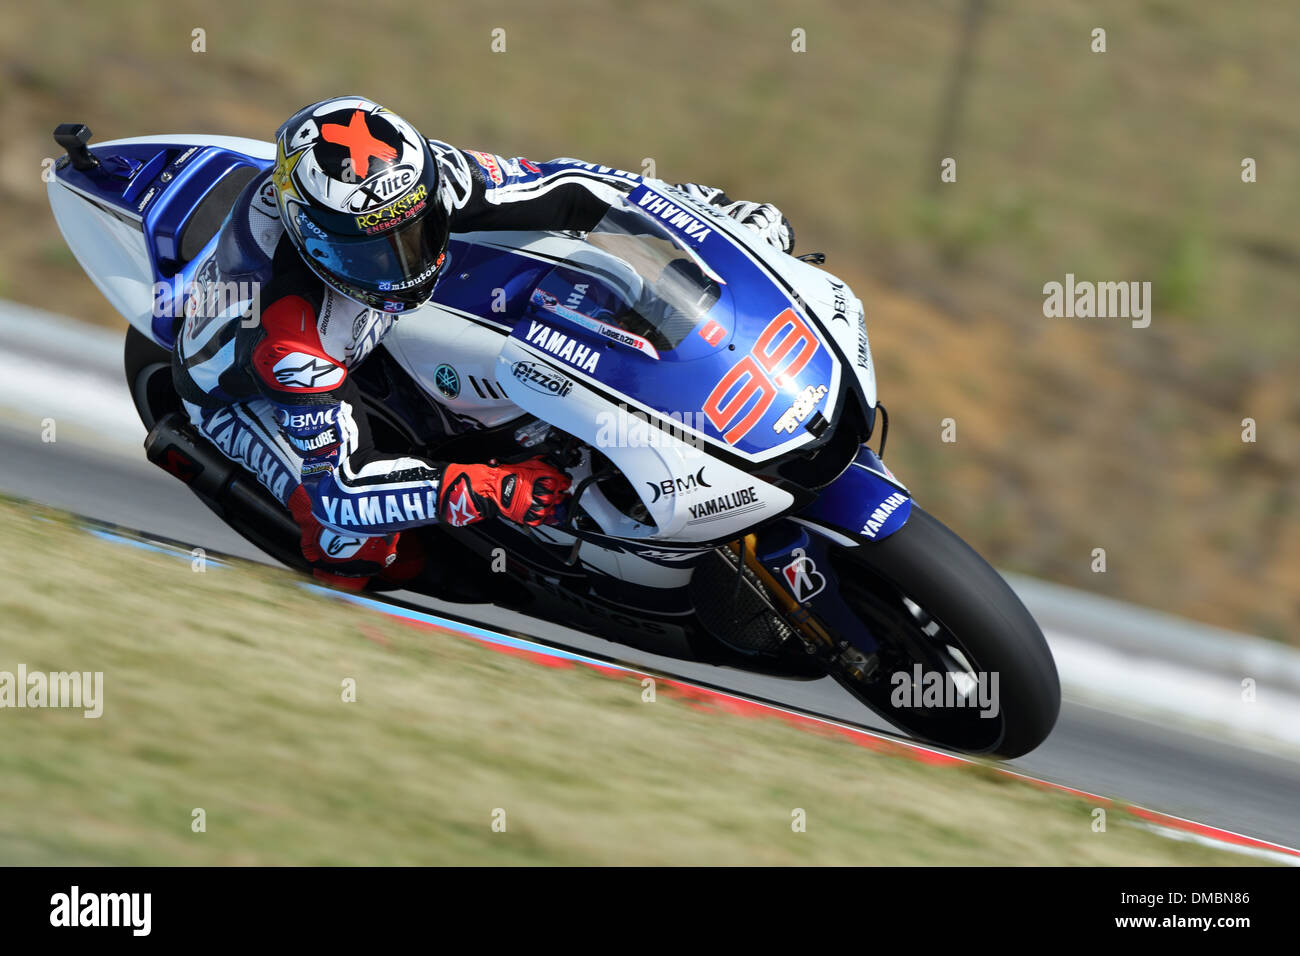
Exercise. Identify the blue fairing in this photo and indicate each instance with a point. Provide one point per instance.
(157, 186)
(474, 273)
(716, 364)
(866, 501)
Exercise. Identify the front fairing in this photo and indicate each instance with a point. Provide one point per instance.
(755, 375)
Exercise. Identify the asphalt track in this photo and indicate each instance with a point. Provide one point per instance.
(1165, 768)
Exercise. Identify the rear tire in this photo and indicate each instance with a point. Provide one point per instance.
(244, 505)
(148, 368)
(976, 612)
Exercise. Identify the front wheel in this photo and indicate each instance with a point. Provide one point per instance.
(962, 663)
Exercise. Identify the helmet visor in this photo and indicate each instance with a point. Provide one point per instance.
(393, 271)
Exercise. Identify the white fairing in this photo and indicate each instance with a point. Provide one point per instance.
(841, 314)
(425, 340)
(839, 311)
(112, 252)
(721, 502)
(718, 502)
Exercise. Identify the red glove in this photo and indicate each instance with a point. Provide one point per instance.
(525, 493)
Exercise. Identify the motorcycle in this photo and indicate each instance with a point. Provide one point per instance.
(711, 397)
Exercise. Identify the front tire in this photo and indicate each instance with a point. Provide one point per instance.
(931, 600)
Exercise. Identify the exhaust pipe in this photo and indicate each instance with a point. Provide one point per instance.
(178, 449)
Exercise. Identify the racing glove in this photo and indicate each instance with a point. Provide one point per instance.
(764, 218)
(526, 493)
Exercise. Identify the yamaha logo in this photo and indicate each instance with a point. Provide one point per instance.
(447, 380)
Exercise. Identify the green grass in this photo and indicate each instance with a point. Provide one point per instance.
(223, 691)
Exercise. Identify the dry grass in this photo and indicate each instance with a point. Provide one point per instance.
(222, 691)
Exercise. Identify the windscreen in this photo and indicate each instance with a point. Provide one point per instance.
(634, 275)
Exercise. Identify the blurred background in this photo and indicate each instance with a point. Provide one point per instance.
(1072, 434)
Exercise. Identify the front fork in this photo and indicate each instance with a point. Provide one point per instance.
(793, 559)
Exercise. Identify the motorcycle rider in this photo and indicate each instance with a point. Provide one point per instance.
(343, 235)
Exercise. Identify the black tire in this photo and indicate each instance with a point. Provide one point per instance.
(148, 377)
(976, 612)
(244, 506)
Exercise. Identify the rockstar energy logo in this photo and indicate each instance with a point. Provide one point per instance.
(394, 212)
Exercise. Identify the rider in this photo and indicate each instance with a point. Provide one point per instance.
(348, 231)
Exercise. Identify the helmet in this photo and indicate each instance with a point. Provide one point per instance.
(357, 189)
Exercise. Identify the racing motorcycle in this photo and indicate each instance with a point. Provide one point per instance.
(712, 398)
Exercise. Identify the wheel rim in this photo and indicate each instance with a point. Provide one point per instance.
(911, 635)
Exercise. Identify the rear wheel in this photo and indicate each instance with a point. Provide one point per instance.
(239, 500)
(149, 377)
(932, 601)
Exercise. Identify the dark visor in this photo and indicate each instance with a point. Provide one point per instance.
(397, 266)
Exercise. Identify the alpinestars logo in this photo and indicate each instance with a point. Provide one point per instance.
(459, 510)
(339, 547)
(299, 370)
(802, 577)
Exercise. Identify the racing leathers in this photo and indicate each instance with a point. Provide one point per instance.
(267, 380)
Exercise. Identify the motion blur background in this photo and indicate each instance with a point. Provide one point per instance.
(1072, 434)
